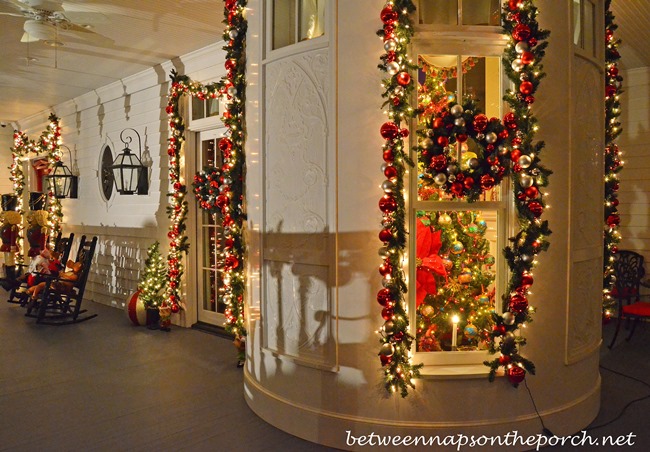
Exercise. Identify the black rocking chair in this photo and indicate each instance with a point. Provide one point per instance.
(62, 245)
(55, 306)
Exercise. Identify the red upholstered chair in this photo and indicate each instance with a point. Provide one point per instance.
(629, 271)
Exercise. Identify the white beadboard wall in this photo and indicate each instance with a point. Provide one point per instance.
(634, 141)
(125, 225)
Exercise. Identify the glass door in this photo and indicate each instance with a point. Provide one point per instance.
(209, 238)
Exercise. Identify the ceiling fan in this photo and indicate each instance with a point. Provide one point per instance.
(46, 19)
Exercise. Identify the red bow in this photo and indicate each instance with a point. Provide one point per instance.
(429, 262)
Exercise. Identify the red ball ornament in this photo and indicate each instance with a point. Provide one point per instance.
(468, 183)
(389, 130)
(518, 303)
(504, 360)
(388, 15)
(526, 280)
(385, 235)
(439, 122)
(610, 90)
(527, 57)
(225, 144)
(499, 330)
(480, 122)
(532, 192)
(615, 202)
(230, 64)
(516, 375)
(387, 313)
(515, 154)
(438, 162)
(403, 78)
(231, 262)
(385, 269)
(387, 204)
(535, 208)
(404, 133)
(510, 120)
(388, 156)
(175, 308)
(513, 5)
(390, 172)
(613, 71)
(526, 87)
(222, 201)
(442, 140)
(613, 220)
(385, 297)
(461, 137)
(457, 188)
(385, 360)
(521, 32)
(177, 186)
(230, 4)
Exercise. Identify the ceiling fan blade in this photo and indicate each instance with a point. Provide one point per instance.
(28, 38)
(11, 14)
(47, 5)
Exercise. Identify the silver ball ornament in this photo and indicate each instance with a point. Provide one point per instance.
(452, 168)
(392, 68)
(459, 122)
(491, 137)
(457, 110)
(233, 34)
(521, 47)
(517, 65)
(427, 143)
(390, 45)
(389, 327)
(440, 179)
(525, 161)
(232, 91)
(387, 349)
(383, 252)
(388, 186)
(525, 180)
(473, 163)
(398, 91)
(508, 318)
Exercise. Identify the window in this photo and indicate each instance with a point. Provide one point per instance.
(202, 109)
(106, 177)
(459, 12)
(458, 273)
(584, 26)
(296, 21)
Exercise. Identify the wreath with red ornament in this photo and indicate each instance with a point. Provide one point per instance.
(207, 189)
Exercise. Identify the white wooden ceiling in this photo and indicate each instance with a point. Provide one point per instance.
(128, 36)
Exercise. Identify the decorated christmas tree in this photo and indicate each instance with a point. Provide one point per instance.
(454, 283)
(154, 277)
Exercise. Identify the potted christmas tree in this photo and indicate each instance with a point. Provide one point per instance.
(152, 285)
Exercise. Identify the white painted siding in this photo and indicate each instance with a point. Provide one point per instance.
(125, 225)
(634, 193)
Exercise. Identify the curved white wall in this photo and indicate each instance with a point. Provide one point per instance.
(312, 366)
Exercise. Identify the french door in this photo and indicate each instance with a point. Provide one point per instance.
(209, 238)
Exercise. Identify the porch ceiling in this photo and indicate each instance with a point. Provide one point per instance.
(130, 36)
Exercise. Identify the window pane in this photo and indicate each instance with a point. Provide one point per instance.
(312, 19)
(481, 12)
(438, 85)
(284, 23)
(589, 32)
(455, 257)
(439, 12)
(212, 107)
(198, 108)
(577, 23)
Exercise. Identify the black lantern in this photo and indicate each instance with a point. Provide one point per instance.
(130, 175)
(62, 181)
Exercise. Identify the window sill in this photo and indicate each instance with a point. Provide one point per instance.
(467, 371)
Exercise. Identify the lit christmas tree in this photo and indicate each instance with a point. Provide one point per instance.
(154, 277)
(454, 283)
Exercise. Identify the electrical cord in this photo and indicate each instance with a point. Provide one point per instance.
(630, 403)
(545, 430)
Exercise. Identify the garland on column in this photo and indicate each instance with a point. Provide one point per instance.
(223, 192)
(613, 162)
(395, 355)
(522, 62)
(49, 143)
(22, 147)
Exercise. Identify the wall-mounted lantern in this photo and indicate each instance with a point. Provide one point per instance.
(130, 175)
(62, 181)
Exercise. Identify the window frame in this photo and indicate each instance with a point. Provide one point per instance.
(488, 42)
(298, 46)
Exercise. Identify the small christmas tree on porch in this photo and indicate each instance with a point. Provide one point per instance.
(154, 278)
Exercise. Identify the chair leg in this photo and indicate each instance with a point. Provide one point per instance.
(636, 320)
(618, 327)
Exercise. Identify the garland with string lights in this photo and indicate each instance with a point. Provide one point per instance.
(229, 183)
(49, 143)
(613, 162)
(396, 341)
(522, 63)
(22, 147)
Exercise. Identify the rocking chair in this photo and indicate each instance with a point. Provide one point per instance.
(62, 245)
(629, 271)
(59, 302)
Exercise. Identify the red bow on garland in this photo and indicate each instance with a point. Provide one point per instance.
(429, 263)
